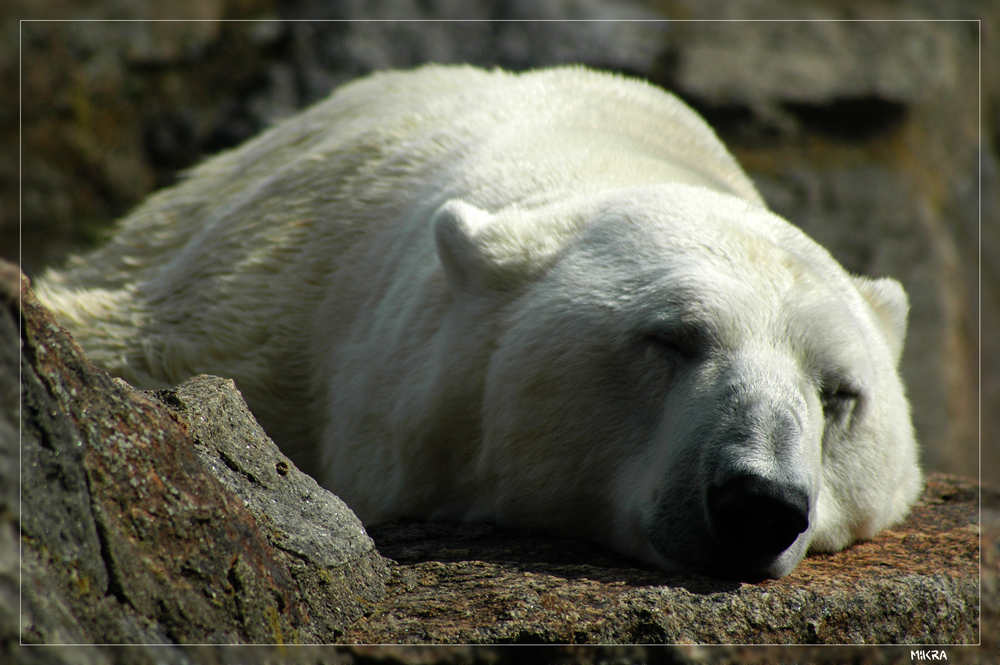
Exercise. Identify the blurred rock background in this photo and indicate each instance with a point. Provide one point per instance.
(878, 137)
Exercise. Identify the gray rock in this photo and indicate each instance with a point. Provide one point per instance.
(131, 532)
(306, 520)
(916, 583)
(328, 551)
(815, 61)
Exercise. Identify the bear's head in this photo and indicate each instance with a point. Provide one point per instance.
(684, 376)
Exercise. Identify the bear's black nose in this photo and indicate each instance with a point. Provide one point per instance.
(758, 517)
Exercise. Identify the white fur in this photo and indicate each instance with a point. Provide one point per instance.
(437, 291)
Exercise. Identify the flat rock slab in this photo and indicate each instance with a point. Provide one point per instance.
(456, 583)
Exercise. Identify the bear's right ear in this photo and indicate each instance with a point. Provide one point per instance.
(467, 262)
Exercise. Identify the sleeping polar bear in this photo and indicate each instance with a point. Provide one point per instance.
(549, 300)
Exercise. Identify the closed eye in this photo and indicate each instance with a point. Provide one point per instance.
(685, 342)
(839, 400)
(666, 343)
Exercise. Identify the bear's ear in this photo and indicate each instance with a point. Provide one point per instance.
(466, 260)
(888, 298)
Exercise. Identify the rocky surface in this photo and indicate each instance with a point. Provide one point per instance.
(914, 584)
(170, 518)
(146, 524)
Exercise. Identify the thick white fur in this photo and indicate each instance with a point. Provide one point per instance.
(433, 289)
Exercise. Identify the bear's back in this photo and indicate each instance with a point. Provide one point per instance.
(223, 272)
(382, 144)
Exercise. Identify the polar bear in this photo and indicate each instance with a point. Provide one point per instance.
(550, 300)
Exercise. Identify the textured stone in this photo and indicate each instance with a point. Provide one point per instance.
(330, 556)
(916, 583)
(815, 61)
(142, 524)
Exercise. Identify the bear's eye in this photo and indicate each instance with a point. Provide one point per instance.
(839, 400)
(684, 343)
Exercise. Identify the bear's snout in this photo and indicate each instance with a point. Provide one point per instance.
(757, 517)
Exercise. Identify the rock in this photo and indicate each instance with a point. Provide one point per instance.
(145, 524)
(815, 62)
(325, 547)
(917, 583)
